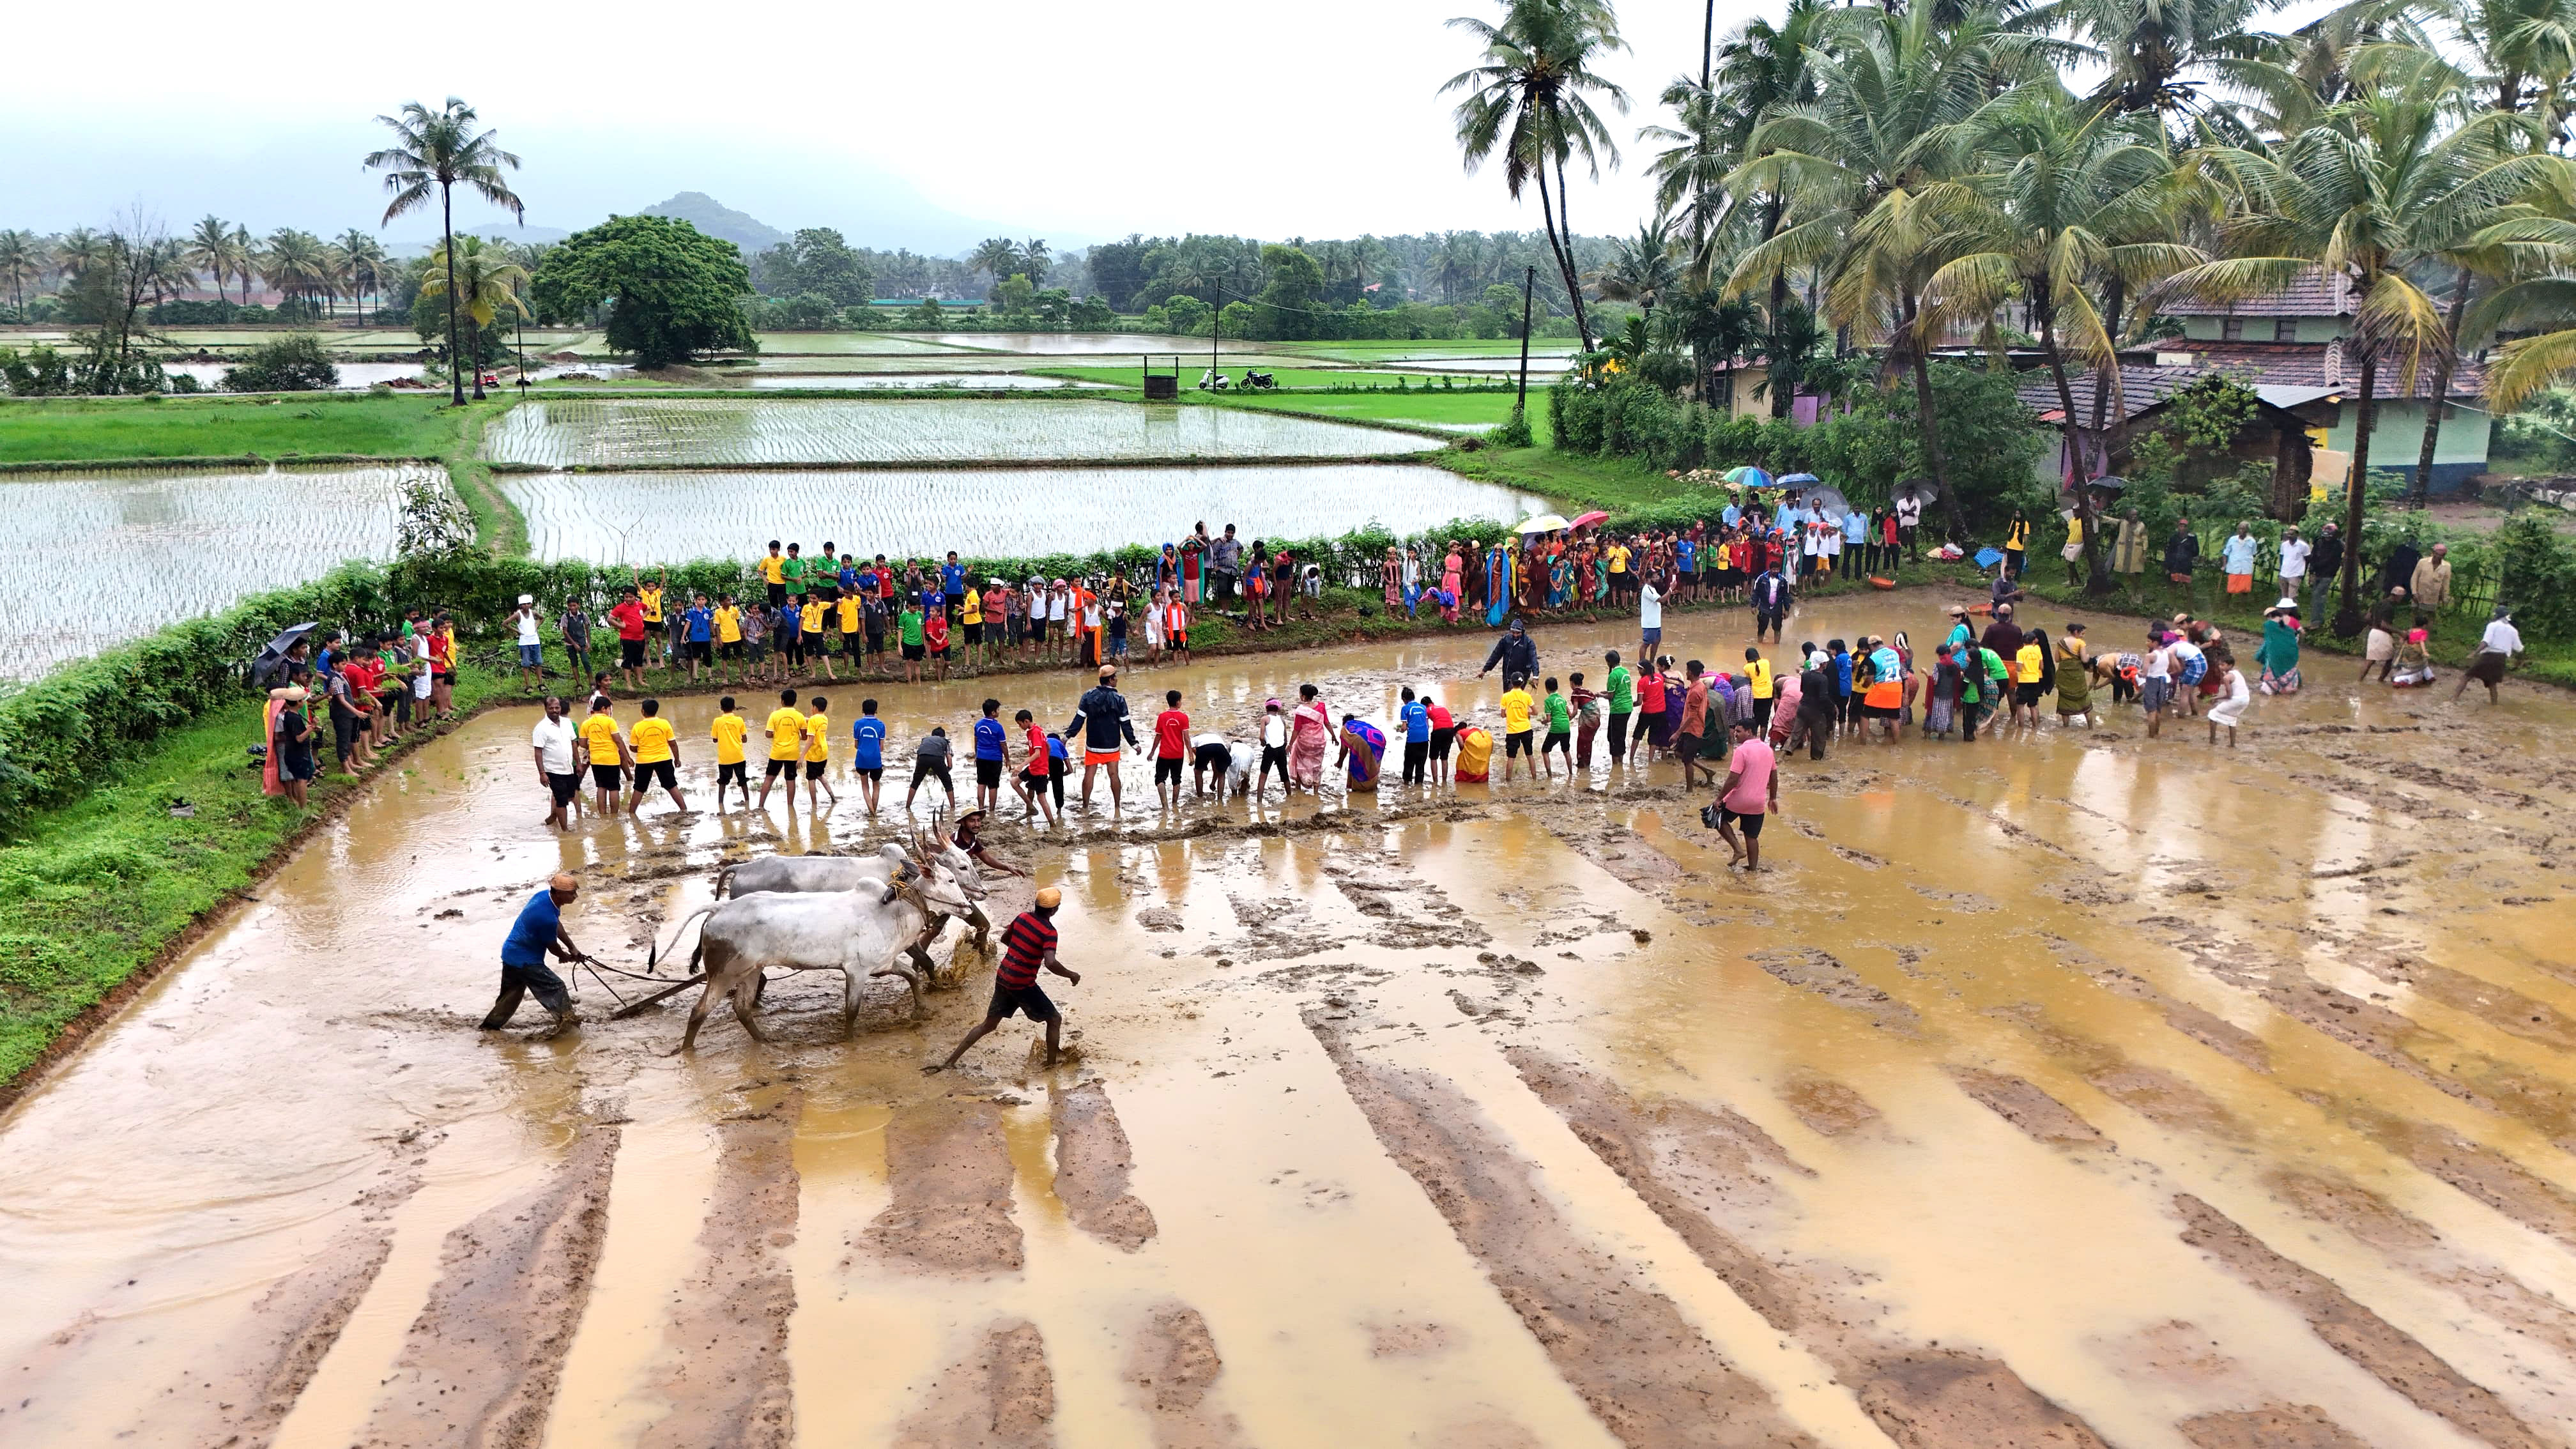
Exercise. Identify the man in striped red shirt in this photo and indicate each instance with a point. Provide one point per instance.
(1028, 945)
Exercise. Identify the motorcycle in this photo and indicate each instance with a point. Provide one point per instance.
(1259, 381)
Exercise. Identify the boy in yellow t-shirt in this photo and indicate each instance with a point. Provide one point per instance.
(773, 572)
(728, 732)
(1518, 708)
(650, 596)
(608, 756)
(786, 746)
(853, 635)
(728, 617)
(818, 753)
(657, 757)
(809, 622)
(971, 617)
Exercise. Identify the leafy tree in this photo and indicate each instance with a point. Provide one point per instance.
(1292, 287)
(293, 363)
(484, 282)
(441, 149)
(817, 260)
(673, 293)
(1531, 99)
(1092, 314)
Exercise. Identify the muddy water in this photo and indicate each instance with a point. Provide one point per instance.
(2073, 1089)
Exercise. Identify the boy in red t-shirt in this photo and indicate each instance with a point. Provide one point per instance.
(628, 616)
(934, 632)
(1171, 747)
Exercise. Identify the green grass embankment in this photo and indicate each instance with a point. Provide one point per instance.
(98, 892)
(367, 424)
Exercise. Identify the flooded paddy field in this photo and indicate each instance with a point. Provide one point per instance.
(2066, 1091)
(605, 432)
(354, 376)
(917, 381)
(676, 513)
(1064, 344)
(94, 557)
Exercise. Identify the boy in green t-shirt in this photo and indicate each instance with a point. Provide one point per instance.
(915, 645)
(1560, 731)
(793, 571)
(1621, 691)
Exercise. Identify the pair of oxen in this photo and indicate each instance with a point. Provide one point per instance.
(860, 915)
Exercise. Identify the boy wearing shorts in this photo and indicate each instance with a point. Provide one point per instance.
(657, 758)
(1171, 747)
(729, 731)
(786, 747)
(1560, 731)
(867, 752)
(1518, 711)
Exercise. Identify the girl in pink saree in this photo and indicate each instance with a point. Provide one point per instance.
(1310, 729)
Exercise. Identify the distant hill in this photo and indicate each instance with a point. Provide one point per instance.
(719, 220)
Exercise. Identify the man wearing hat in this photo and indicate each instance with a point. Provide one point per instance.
(532, 650)
(1515, 651)
(1102, 718)
(1028, 946)
(538, 930)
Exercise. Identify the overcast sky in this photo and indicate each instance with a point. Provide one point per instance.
(919, 125)
(926, 126)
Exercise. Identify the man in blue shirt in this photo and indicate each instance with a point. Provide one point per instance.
(1686, 565)
(867, 751)
(991, 752)
(538, 930)
(1416, 718)
(1102, 719)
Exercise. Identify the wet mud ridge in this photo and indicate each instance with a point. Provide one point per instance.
(1709, 1176)
(480, 1364)
(950, 1168)
(723, 1361)
(1625, 1348)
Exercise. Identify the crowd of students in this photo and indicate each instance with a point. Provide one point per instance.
(358, 695)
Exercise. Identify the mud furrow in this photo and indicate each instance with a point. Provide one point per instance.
(1815, 971)
(998, 1394)
(1171, 1367)
(2040, 1116)
(950, 1168)
(723, 1363)
(1697, 1170)
(480, 1364)
(1626, 1349)
(1092, 1161)
(2273, 1426)
(242, 1384)
(2385, 1351)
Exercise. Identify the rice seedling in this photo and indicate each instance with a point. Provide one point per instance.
(612, 518)
(95, 557)
(605, 432)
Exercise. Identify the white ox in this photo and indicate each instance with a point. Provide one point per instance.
(845, 872)
(857, 932)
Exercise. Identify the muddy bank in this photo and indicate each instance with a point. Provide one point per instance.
(2274, 1426)
(480, 1364)
(2042, 1117)
(1640, 1366)
(723, 1363)
(1092, 1160)
(2388, 1353)
(1703, 1173)
(997, 1394)
(950, 1169)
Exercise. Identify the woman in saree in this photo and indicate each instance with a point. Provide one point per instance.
(2074, 677)
(1310, 728)
(1390, 577)
(2279, 652)
(1363, 750)
(1498, 585)
(1450, 578)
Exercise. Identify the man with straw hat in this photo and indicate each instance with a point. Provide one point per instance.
(1028, 946)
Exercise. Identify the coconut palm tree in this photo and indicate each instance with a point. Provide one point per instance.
(440, 150)
(1642, 268)
(211, 251)
(2071, 193)
(1764, 68)
(1532, 100)
(1690, 172)
(1033, 260)
(2158, 55)
(363, 263)
(1872, 171)
(995, 256)
(22, 262)
(482, 280)
(296, 263)
(78, 251)
(2374, 190)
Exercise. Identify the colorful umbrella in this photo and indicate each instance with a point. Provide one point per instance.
(1794, 480)
(1587, 520)
(1749, 476)
(1544, 523)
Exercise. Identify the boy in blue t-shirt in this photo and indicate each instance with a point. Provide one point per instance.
(700, 624)
(991, 752)
(867, 751)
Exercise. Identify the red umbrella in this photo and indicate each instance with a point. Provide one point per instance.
(1589, 519)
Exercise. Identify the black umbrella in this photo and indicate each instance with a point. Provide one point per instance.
(271, 663)
(2108, 483)
(1923, 488)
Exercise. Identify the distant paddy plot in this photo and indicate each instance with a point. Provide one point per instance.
(184, 544)
(917, 381)
(643, 517)
(607, 432)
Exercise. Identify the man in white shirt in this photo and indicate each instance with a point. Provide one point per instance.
(557, 770)
(1231, 763)
(2294, 561)
(1909, 517)
(1650, 618)
(2496, 649)
(532, 653)
(2155, 686)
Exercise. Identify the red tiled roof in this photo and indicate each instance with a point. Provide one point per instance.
(2310, 296)
(2141, 388)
